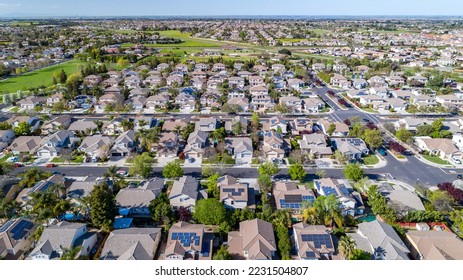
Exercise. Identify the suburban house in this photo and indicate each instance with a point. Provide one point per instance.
(440, 147)
(30, 102)
(131, 244)
(55, 98)
(185, 192)
(352, 148)
(315, 144)
(277, 124)
(255, 240)
(312, 105)
(400, 200)
(134, 202)
(6, 138)
(58, 123)
(56, 239)
(96, 147)
(55, 143)
(241, 102)
(25, 194)
(25, 145)
(174, 125)
(313, 242)
(158, 101)
(168, 145)
(114, 126)
(434, 245)
(289, 195)
(15, 238)
(240, 148)
(189, 242)
(380, 240)
(32, 121)
(243, 122)
(207, 124)
(410, 124)
(197, 141)
(301, 126)
(124, 144)
(83, 127)
(350, 201)
(292, 103)
(340, 81)
(341, 129)
(275, 147)
(235, 195)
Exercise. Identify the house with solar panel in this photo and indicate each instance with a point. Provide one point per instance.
(351, 202)
(255, 240)
(189, 242)
(134, 202)
(234, 194)
(313, 242)
(185, 192)
(240, 148)
(289, 195)
(25, 195)
(56, 239)
(14, 238)
(352, 148)
(131, 244)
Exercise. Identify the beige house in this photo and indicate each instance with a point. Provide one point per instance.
(440, 147)
(313, 242)
(255, 240)
(289, 195)
(14, 238)
(434, 245)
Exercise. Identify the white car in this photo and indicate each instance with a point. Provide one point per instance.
(122, 173)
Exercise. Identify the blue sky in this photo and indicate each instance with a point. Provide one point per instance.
(230, 7)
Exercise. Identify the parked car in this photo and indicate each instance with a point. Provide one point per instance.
(50, 165)
(455, 160)
(459, 176)
(122, 173)
(382, 152)
(17, 164)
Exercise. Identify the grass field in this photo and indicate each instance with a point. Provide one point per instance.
(435, 159)
(42, 77)
(188, 41)
(370, 160)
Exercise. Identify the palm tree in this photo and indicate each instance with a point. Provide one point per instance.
(346, 246)
(30, 178)
(329, 213)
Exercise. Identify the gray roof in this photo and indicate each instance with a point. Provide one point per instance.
(60, 236)
(142, 196)
(131, 244)
(186, 185)
(383, 240)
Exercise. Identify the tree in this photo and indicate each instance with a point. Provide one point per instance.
(59, 107)
(346, 246)
(71, 253)
(297, 172)
(331, 129)
(142, 166)
(222, 254)
(340, 157)
(358, 254)
(210, 212)
(404, 135)
(284, 243)
(353, 172)
(23, 129)
(390, 127)
(328, 211)
(62, 76)
(219, 134)
(268, 168)
(255, 121)
(183, 214)
(160, 209)
(396, 147)
(31, 176)
(379, 205)
(237, 128)
(102, 207)
(211, 184)
(442, 201)
(437, 125)
(456, 193)
(172, 170)
(265, 184)
(373, 138)
(122, 62)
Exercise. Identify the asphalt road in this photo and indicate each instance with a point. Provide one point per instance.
(412, 172)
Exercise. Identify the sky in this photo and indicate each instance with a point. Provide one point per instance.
(229, 7)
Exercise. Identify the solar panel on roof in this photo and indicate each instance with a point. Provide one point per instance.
(6, 225)
(310, 254)
(293, 198)
(318, 240)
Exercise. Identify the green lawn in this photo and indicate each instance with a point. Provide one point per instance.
(369, 110)
(370, 160)
(78, 159)
(435, 159)
(42, 77)
(57, 160)
(188, 41)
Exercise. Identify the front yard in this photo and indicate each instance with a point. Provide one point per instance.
(436, 160)
(370, 160)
